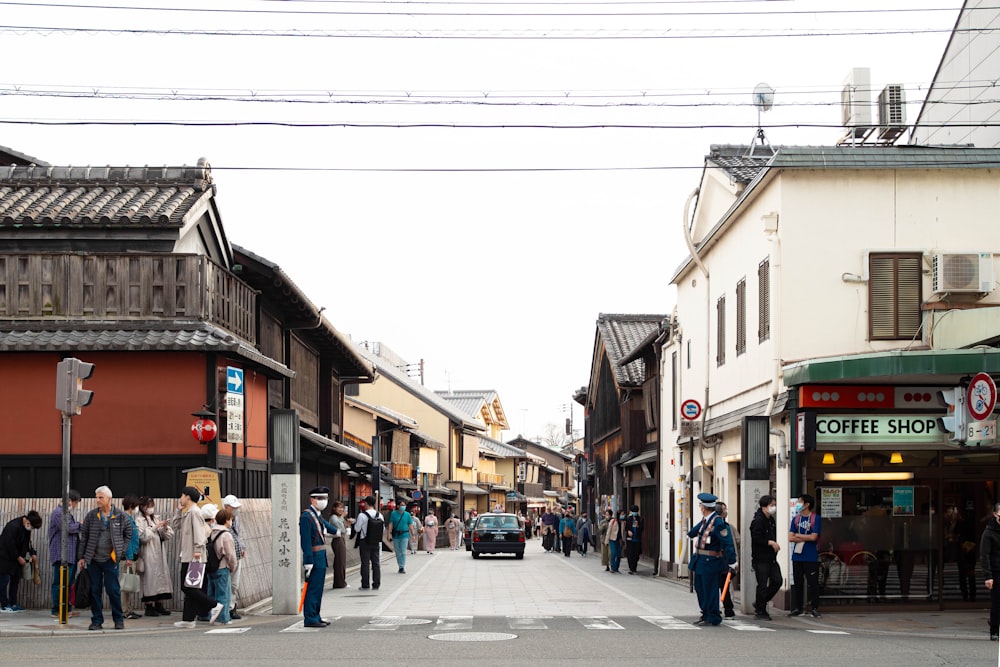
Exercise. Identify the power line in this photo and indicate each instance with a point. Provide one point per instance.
(410, 12)
(506, 34)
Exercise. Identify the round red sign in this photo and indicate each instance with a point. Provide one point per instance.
(690, 409)
(981, 397)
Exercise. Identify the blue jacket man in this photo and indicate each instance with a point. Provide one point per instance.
(711, 553)
(312, 534)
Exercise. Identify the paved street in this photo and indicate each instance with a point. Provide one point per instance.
(451, 609)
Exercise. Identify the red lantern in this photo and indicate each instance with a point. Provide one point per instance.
(203, 430)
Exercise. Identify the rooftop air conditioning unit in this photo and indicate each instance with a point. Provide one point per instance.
(856, 102)
(891, 112)
(963, 272)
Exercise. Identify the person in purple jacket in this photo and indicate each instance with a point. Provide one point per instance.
(55, 547)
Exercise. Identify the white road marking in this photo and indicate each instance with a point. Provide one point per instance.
(828, 632)
(669, 623)
(527, 622)
(227, 631)
(299, 627)
(598, 623)
(454, 623)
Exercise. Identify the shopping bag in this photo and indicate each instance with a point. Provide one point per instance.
(129, 580)
(195, 575)
(81, 590)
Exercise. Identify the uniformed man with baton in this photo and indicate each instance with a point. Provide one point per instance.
(712, 554)
(313, 529)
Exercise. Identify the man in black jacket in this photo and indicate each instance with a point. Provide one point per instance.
(764, 553)
(989, 557)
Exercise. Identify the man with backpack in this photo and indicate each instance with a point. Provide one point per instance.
(312, 533)
(368, 529)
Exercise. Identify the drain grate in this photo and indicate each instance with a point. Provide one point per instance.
(472, 637)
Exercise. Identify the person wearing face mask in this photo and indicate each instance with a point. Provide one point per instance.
(615, 537)
(803, 534)
(712, 552)
(989, 558)
(633, 539)
(55, 547)
(313, 529)
(154, 574)
(233, 504)
(15, 551)
(764, 550)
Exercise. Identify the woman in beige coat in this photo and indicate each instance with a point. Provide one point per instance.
(155, 573)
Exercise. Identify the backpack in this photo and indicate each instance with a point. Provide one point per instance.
(376, 526)
(213, 557)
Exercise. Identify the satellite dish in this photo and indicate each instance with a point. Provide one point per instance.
(763, 96)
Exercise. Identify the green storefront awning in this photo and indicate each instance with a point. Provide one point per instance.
(896, 367)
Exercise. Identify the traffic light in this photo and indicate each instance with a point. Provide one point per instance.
(71, 397)
(956, 421)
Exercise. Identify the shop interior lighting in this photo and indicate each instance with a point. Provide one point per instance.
(866, 476)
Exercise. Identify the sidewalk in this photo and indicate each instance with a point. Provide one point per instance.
(671, 596)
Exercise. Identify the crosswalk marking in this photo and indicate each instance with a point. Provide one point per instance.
(828, 632)
(299, 627)
(454, 623)
(227, 631)
(746, 627)
(527, 622)
(598, 623)
(668, 623)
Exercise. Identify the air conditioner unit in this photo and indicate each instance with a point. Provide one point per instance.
(856, 102)
(891, 112)
(963, 272)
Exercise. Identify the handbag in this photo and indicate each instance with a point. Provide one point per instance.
(129, 580)
(26, 571)
(195, 575)
(140, 565)
(81, 591)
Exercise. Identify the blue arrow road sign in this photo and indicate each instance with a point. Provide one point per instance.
(234, 380)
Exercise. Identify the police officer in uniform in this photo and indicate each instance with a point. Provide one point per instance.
(313, 529)
(712, 553)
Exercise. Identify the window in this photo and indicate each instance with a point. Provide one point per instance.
(720, 339)
(764, 300)
(894, 296)
(741, 317)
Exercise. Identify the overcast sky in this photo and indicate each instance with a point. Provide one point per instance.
(471, 188)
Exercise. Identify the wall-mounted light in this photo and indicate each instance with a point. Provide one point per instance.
(896, 457)
(828, 459)
(866, 476)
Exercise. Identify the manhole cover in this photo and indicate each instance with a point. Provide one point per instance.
(473, 637)
(398, 621)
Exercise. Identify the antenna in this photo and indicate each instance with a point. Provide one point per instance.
(763, 99)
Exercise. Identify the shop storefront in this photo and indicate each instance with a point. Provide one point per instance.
(903, 506)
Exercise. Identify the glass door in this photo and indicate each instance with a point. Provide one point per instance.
(966, 506)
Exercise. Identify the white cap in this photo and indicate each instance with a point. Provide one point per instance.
(209, 511)
(231, 501)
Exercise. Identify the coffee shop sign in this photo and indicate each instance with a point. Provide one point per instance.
(878, 428)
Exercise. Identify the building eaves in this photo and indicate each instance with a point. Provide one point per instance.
(130, 336)
(387, 413)
(500, 449)
(405, 382)
(300, 313)
(10, 156)
(621, 334)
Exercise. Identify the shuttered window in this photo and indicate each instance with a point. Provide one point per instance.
(894, 296)
(741, 317)
(720, 333)
(764, 300)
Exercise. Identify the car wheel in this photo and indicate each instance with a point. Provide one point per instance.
(519, 556)
(475, 555)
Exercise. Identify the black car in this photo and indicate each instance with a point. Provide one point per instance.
(497, 533)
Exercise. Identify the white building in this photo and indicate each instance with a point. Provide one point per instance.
(813, 327)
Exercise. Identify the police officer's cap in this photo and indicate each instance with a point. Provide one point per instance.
(319, 492)
(707, 499)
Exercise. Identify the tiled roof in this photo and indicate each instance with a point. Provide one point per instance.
(742, 163)
(45, 196)
(621, 334)
(9, 156)
(501, 449)
(106, 336)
